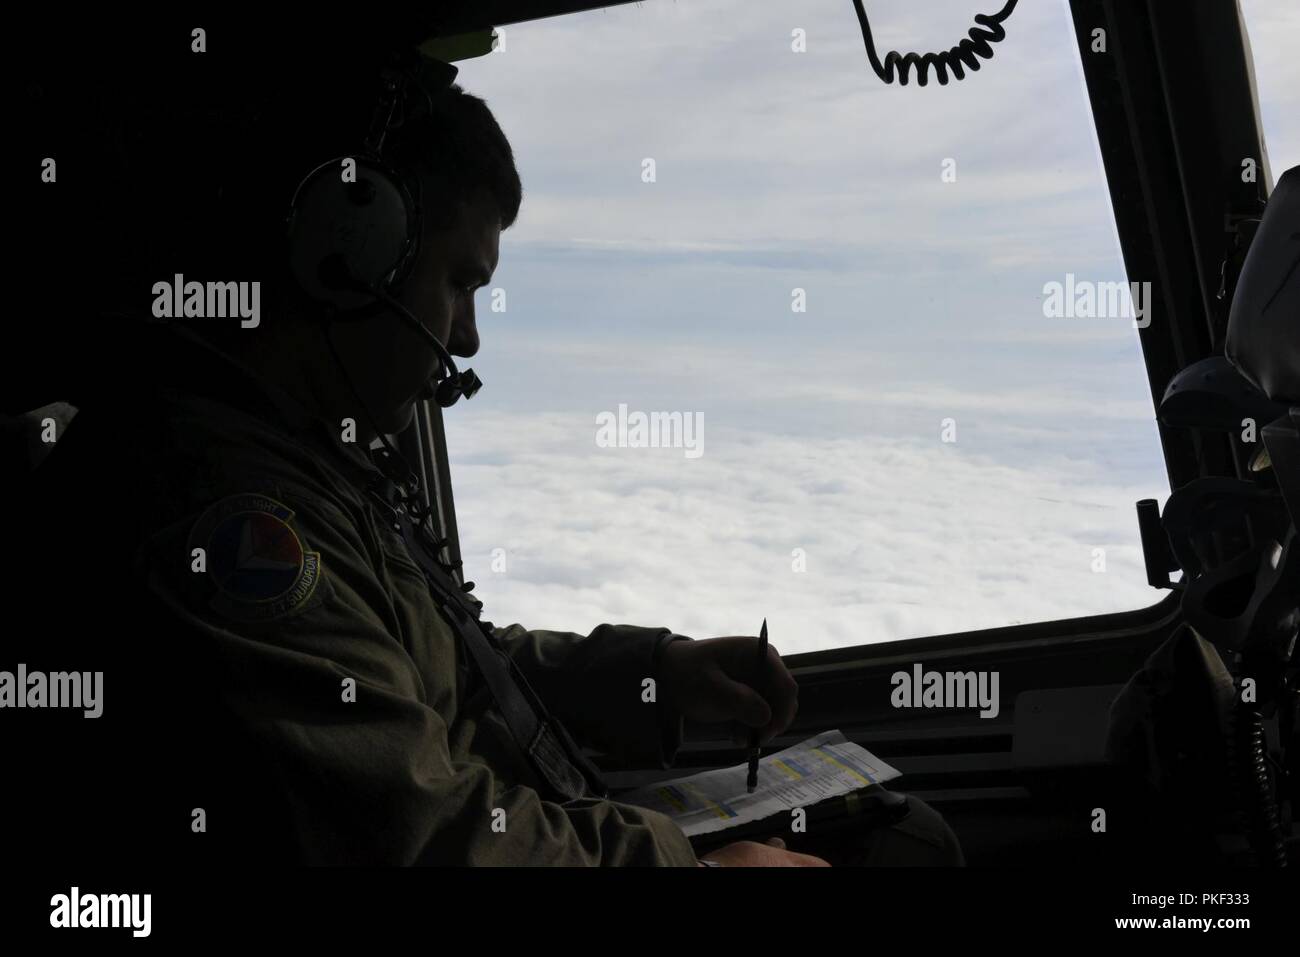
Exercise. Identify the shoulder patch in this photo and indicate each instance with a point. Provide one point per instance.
(256, 561)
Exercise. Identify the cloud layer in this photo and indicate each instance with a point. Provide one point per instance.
(899, 538)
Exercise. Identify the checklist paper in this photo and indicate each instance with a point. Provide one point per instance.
(822, 767)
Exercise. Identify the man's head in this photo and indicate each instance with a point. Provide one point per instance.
(455, 158)
(230, 226)
(453, 152)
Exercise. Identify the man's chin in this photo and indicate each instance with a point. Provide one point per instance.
(399, 419)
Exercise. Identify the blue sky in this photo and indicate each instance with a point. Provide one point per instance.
(822, 430)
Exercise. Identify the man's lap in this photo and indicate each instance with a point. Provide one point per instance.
(921, 839)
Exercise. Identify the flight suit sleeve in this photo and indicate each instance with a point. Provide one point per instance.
(289, 617)
(596, 684)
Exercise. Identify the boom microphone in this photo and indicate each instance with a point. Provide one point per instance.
(450, 387)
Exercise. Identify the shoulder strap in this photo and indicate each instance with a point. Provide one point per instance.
(553, 753)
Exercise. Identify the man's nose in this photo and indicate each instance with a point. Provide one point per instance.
(463, 340)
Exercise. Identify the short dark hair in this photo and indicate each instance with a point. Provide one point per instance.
(461, 148)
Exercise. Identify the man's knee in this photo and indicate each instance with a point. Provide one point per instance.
(922, 839)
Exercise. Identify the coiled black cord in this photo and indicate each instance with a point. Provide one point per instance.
(1248, 761)
(400, 473)
(968, 51)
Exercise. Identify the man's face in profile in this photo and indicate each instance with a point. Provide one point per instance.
(389, 361)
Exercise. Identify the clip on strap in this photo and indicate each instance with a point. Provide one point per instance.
(553, 753)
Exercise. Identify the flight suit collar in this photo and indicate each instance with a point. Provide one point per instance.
(217, 374)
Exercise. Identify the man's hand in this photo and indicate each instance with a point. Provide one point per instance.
(770, 854)
(715, 680)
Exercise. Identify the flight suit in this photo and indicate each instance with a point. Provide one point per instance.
(333, 659)
(296, 686)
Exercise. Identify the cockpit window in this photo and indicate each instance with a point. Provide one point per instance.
(771, 338)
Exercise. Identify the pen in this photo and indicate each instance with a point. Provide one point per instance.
(751, 781)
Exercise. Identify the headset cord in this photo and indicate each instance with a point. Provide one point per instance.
(395, 467)
(968, 51)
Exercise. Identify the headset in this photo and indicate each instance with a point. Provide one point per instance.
(351, 244)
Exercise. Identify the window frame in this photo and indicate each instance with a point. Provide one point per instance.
(424, 442)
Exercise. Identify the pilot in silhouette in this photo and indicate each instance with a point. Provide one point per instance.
(337, 696)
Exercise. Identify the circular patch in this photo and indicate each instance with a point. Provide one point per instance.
(255, 558)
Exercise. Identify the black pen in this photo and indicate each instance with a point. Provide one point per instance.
(751, 782)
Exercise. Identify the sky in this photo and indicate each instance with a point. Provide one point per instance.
(921, 450)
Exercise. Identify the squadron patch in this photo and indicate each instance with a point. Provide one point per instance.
(255, 559)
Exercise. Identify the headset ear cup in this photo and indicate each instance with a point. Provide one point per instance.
(341, 233)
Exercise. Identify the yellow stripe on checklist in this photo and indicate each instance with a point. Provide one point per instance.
(840, 764)
(670, 800)
(791, 772)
